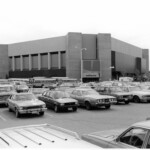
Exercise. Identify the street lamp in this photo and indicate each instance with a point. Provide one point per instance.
(82, 63)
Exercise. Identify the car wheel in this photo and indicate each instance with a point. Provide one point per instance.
(56, 109)
(126, 102)
(107, 107)
(17, 113)
(88, 105)
(136, 99)
(41, 113)
(74, 108)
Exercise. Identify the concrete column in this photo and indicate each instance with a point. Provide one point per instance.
(104, 55)
(49, 61)
(145, 55)
(59, 60)
(39, 61)
(73, 55)
(30, 62)
(13, 63)
(21, 63)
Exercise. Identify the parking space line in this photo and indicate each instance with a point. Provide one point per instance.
(49, 115)
(2, 118)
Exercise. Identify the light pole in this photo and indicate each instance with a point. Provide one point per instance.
(82, 63)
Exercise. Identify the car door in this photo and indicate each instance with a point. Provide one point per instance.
(47, 99)
(51, 99)
(80, 97)
(74, 94)
(11, 102)
(132, 138)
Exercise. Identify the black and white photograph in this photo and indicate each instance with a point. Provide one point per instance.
(74, 74)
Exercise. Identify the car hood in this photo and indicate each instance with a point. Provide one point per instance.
(108, 135)
(7, 93)
(98, 96)
(121, 93)
(29, 103)
(140, 92)
(66, 100)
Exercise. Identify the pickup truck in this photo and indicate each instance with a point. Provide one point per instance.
(41, 136)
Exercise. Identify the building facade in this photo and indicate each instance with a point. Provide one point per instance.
(93, 56)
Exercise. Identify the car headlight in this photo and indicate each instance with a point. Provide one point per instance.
(43, 106)
(62, 104)
(21, 108)
(76, 103)
(130, 96)
(99, 100)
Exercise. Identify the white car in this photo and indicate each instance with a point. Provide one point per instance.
(25, 103)
(136, 136)
(138, 94)
(44, 136)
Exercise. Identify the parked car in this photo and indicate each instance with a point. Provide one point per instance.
(22, 88)
(90, 98)
(59, 100)
(117, 92)
(5, 92)
(136, 136)
(41, 136)
(138, 94)
(25, 103)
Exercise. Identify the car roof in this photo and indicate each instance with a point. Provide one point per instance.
(84, 89)
(23, 93)
(6, 85)
(143, 124)
(41, 136)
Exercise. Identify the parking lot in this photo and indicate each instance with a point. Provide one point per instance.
(82, 121)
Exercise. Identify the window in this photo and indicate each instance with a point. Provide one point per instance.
(134, 137)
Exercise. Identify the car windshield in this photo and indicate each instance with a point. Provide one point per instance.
(24, 97)
(90, 92)
(136, 88)
(6, 89)
(60, 94)
(116, 89)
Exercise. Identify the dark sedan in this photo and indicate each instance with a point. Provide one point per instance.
(58, 100)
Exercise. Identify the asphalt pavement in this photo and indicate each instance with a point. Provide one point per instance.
(83, 121)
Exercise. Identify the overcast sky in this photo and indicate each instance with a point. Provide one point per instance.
(25, 20)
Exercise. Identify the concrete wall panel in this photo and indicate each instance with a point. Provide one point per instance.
(125, 63)
(104, 55)
(89, 42)
(4, 61)
(37, 46)
(123, 47)
(73, 55)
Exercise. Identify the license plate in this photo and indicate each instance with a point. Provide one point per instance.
(33, 112)
(69, 108)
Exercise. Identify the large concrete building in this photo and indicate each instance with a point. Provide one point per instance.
(92, 56)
